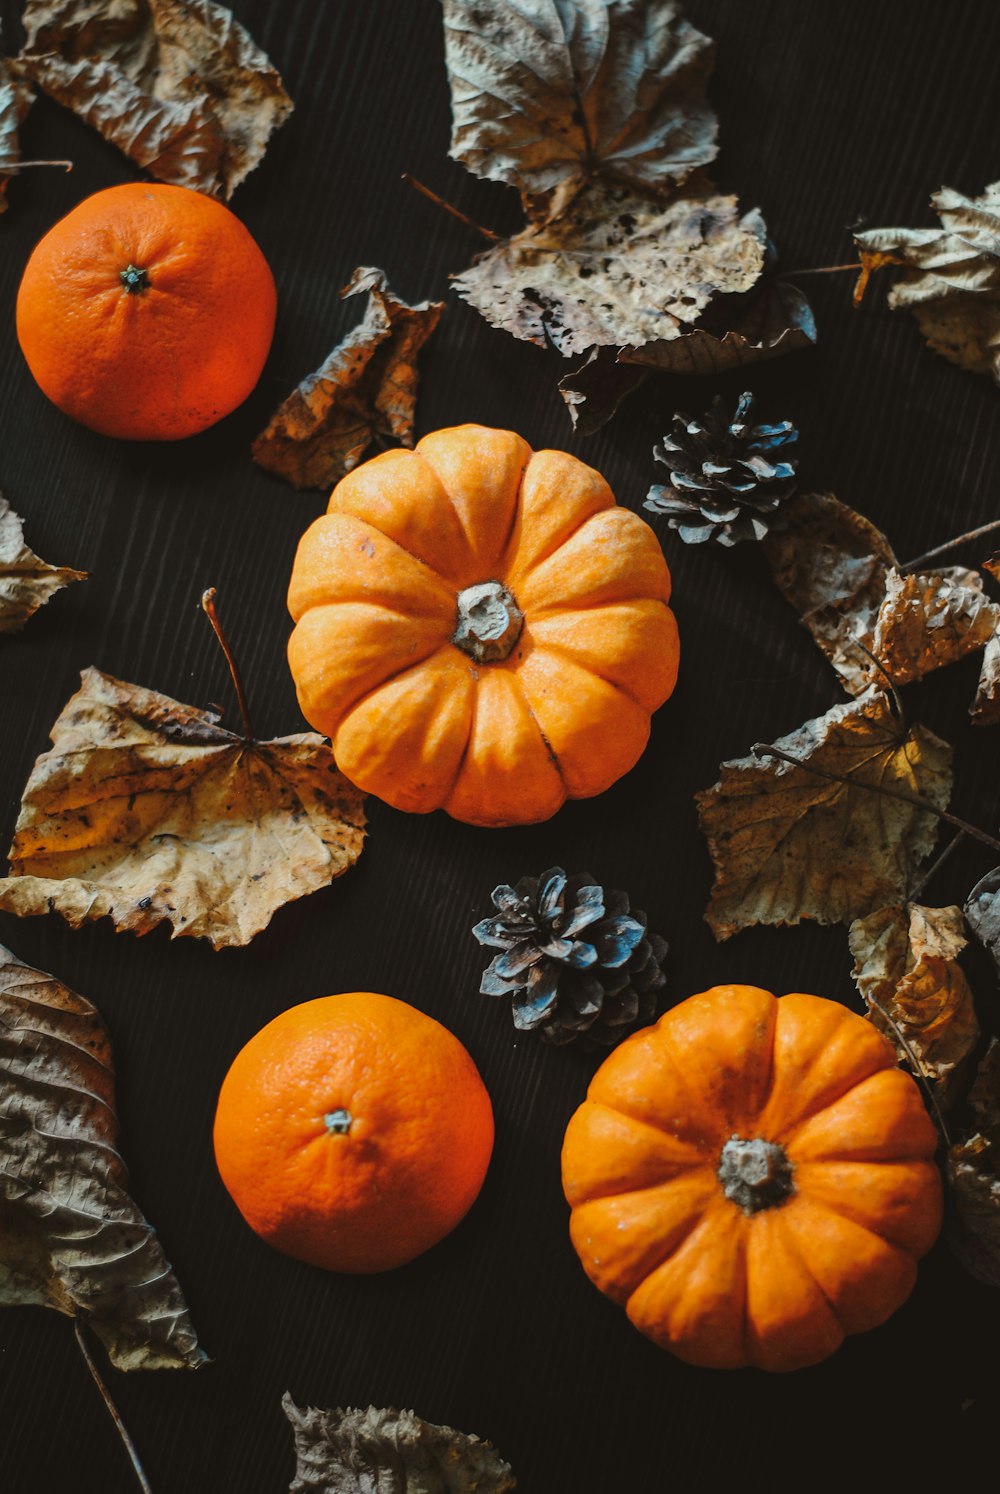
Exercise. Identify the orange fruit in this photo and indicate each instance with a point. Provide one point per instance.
(353, 1132)
(147, 312)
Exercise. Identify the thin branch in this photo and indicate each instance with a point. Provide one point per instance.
(822, 270)
(7, 168)
(208, 607)
(936, 866)
(765, 749)
(449, 207)
(113, 1411)
(952, 544)
(918, 1072)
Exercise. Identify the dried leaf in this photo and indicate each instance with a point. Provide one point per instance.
(15, 101)
(178, 85)
(594, 392)
(951, 279)
(982, 910)
(609, 266)
(985, 709)
(974, 1176)
(931, 618)
(393, 1452)
(70, 1236)
(771, 319)
(26, 581)
(147, 811)
(789, 842)
(367, 388)
(831, 564)
(552, 91)
(906, 965)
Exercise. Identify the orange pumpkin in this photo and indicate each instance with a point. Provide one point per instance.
(752, 1179)
(480, 628)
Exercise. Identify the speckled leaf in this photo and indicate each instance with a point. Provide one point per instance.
(982, 910)
(931, 618)
(178, 85)
(26, 581)
(950, 278)
(15, 101)
(610, 266)
(974, 1178)
(557, 89)
(906, 965)
(389, 1452)
(147, 811)
(366, 388)
(788, 843)
(772, 319)
(70, 1236)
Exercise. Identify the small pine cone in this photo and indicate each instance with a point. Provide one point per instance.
(727, 477)
(577, 961)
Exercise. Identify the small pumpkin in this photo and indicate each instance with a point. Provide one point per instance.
(752, 1179)
(480, 627)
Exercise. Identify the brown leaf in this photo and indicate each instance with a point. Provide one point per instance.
(366, 389)
(931, 618)
(985, 709)
(906, 965)
(178, 85)
(951, 279)
(26, 581)
(595, 390)
(70, 1236)
(545, 93)
(790, 842)
(771, 319)
(395, 1452)
(611, 266)
(974, 1176)
(982, 912)
(15, 101)
(147, 811)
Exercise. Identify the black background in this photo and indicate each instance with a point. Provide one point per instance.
(831, 114)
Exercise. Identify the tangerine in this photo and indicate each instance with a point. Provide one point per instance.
(353, 1132)
(147, 312)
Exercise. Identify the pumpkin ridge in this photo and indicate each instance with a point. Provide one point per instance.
(463, 755)
(664, 1049)
(844, 1210)
(396, 675)
(793, 1246)
(556, 544)
(828, 1102)
(515, 512)
(445, 580)
(694, 1224)
(680, 1168)
(538, 727)
(558, 648)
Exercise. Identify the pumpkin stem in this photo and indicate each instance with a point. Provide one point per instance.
(755, 1174)
(489, 622)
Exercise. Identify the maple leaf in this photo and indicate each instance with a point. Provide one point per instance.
(974, 1176)
(26, 581)
(148, 811)
(71, 1238)
(823, 837)
(15, 101)
(355, 1451)
(178, 85)
(906, 968)
(950, 276)
(366, 389)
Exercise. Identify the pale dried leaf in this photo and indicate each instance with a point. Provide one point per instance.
(147, 811)
(559, 89)
(831, 564)
(985, 709)
(931, 618)
(70, 1236)
(26, 581)
(610, 266)
(951, 276)
(788, 843)
(982, 910)
(772, 319)
(15, 101)
(974, 1176)
(178, 85)
(906, 965)
(366, 388)
(391, 1452)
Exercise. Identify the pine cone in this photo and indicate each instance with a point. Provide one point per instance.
(576, 960)
(724, 481)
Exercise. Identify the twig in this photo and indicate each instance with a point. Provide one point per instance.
(7, 168)
(952, 544)
(918, 1071)
(487, 233)
(208, 607)
(936, 866)
(765, 749)
(113, 1411)
(821, 270)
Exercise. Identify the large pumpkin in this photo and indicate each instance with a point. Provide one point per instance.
(752, 1179)
(480, 628)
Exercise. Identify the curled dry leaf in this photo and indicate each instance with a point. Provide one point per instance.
(931, 618)
(148, 811)
(974, 1176)
(15, 101)
(26, 581)
(906, 965)
(982, 911)
(594, 391)
(985, 709)
(178, 85)
(771, 319)
(366, 389)
(821, 838)
(70, 1236)
(950, 278)
(394, 1452)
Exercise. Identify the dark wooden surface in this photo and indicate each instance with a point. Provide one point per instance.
(831, 114)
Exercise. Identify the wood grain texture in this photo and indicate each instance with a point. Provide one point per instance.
(830, 114)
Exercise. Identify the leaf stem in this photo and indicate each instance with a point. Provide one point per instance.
(952, 544)
(765, 749)
(821, 270)
(208, 607)
(487, 233)
(936, 865)
(7, 168)
(113, 1411)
